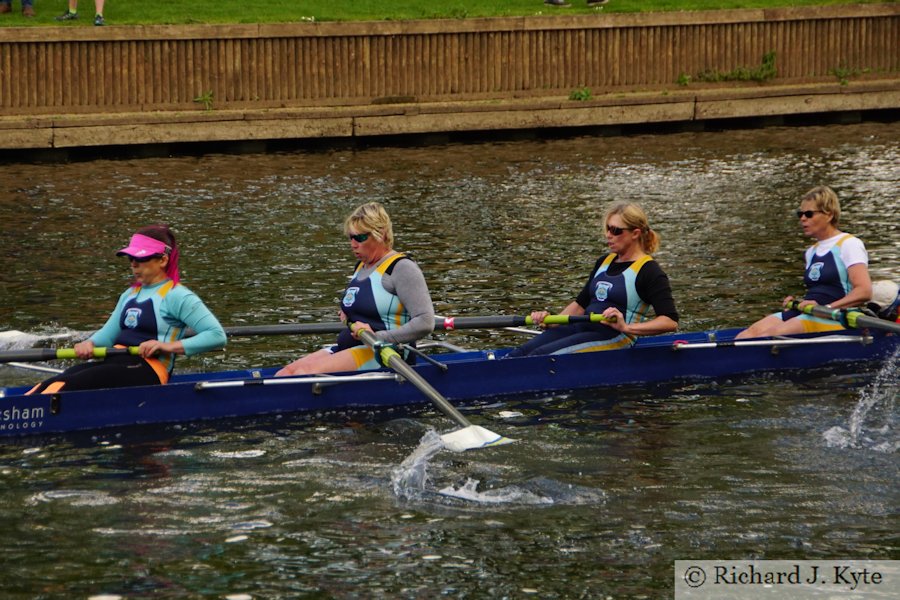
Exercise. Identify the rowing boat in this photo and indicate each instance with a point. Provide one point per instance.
(462, 377)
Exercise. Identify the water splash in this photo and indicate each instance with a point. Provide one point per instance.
(411, 480)
(872, 423)
(411, 477)
(14, 339)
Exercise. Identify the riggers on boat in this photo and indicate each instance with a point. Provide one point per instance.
(468, 377)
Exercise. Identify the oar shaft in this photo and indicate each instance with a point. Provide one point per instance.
(861, 321)
(393, 359)
(500, 321)
(285, 329)
(440, 324)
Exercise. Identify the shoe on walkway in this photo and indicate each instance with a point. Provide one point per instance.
(557, 3)
(28, 10)
(596, 2)
(67, 16)
(5, 8)
(98, 20)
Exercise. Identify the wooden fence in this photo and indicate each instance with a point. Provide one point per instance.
(64, 70)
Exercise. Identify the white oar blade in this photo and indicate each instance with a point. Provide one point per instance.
(474, 436)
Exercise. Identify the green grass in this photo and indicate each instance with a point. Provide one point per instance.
(161, 12)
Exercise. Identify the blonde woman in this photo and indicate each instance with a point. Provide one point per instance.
(623, 285)
(837, 269)
(387, 295)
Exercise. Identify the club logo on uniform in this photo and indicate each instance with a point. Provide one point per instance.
(132, 316)
(350, 296)
(602, 291)
(815, 271)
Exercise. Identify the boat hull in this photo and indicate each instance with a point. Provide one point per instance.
(470, 376)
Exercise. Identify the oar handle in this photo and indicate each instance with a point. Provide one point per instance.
(42, 354)
(569, 319)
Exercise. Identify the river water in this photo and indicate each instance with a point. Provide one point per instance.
(602, 492)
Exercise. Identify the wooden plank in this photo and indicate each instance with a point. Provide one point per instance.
(236, 130)
(506, 119)
(26, 138)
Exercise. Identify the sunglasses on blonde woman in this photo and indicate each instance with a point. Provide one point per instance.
(359, 237)
(612, 229)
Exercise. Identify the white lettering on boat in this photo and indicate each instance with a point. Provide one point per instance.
(16, 419)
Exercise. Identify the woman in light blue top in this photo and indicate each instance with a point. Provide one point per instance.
(153, 314)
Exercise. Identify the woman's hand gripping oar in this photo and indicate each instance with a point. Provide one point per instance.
(469, 436)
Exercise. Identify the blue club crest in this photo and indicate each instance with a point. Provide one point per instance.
(132, 316)
(350, 296)
(602, 291)
(815, 271)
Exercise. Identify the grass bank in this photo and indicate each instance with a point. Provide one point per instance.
(166, 12)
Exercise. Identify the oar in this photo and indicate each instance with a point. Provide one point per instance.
(470, 436)
(440, 324)
(500, 321)
(850, 318)
(284, 329)
(39, 354)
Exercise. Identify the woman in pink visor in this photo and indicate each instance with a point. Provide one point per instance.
(152, 314)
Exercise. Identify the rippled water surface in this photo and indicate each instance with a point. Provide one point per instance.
(602, 492)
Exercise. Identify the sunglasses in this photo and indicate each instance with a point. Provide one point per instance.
(616, 230)
(807, 213)
(359, 237)
(143, 259)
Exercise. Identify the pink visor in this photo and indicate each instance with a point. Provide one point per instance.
(142, 246)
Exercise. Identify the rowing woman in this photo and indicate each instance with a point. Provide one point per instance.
(387, 294)
(623, 285)
(837, 270)
(152, 314)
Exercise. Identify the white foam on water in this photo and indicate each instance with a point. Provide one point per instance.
(871, 425)
(837, 437)
(537, 491)
(237, 538)
(238, 454)
(74, 498)
(506, 495)
(251, 525)
(510, 414)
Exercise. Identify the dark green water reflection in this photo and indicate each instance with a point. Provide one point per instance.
(603, 492)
